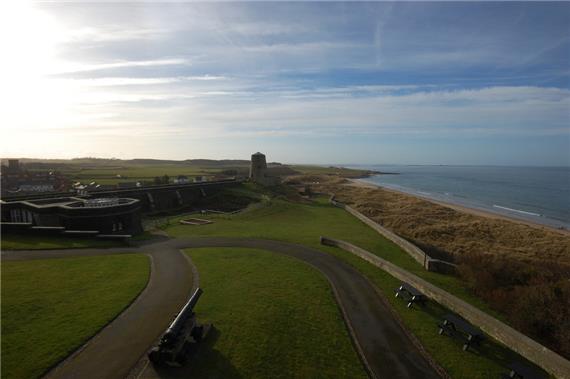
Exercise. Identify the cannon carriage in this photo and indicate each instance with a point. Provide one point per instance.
(183, 334)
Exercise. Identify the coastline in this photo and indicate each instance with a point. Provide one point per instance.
(461, 208)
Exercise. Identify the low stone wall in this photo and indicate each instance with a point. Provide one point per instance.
(415, 252)
(437, 265)
(16, 227)
(525, 346)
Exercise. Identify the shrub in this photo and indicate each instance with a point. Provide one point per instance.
(534, 296)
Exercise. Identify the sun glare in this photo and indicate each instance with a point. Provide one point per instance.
(33, 100)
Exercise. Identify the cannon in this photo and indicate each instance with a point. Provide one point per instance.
(182, 334)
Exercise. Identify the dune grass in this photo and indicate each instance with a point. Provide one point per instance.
(51, 307)
(274, 317)
(331, 170)
(304, 223)
(39, 242)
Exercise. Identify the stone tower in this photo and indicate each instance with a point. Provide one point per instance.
(257, 168)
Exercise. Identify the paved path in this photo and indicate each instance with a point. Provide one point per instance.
(386, 348)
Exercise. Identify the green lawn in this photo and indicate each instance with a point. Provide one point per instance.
(304, 223)
(33, 242)
(51, 307)
(274, 317)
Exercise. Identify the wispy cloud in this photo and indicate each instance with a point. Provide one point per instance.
(85, 67)
(125, 81)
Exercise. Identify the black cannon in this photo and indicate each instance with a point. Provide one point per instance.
(181, 335)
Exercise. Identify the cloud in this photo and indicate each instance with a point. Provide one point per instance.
(240, 70)
(84, 67)
(87, 35)
(207, 114)
(126, 81)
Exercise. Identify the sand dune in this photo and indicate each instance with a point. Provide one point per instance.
(450, 230)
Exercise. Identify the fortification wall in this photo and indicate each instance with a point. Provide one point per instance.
(172, 197)
(525, 346)
(413, 251)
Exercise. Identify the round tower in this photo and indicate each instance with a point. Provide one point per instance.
(258, 167)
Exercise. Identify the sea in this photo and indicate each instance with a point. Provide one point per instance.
(537, 194)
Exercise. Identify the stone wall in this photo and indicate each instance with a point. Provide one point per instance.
(525, 346)
(415, 252)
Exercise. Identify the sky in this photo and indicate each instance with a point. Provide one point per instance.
(327, 83)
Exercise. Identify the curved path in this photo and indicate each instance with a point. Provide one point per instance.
(383, 344)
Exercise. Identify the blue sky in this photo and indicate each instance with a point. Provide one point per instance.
(417, 83)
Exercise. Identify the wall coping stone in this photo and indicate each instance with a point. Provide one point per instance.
(414, 251)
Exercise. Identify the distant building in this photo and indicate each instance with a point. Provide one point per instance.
(103, 187)
(181, 179)
(258, 171)
(125, 185)
(36, 187)
(16, 179)
(13, 165)
(199, 179)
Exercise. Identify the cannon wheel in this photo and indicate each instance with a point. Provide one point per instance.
(197, 333)
(154, 356)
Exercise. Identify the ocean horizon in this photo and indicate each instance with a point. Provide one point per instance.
(536, 194)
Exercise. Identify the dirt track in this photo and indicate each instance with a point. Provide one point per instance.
(114, 351)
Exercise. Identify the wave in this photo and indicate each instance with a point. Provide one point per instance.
(517, 210)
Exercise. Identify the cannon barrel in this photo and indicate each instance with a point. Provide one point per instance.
(185, 313)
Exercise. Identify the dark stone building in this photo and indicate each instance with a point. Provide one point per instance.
(69, 214)
(106, 212)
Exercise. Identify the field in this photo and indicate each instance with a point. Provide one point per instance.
(120, 174)
(304, 223)
(274, 317)
(119, 171)
(51, 307)
(108, 172)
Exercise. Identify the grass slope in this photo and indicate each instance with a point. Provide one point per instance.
(304, 223)
(39, 242)
(51, 307)
(331, 170)
(274, 317)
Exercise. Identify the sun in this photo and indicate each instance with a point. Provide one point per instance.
(33, 100)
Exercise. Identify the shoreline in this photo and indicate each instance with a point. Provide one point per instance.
(461, 208)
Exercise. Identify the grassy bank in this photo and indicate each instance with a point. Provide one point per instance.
(331, 170)
(304, 223)
(51, 307)
(274, 317)
(38, 242)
